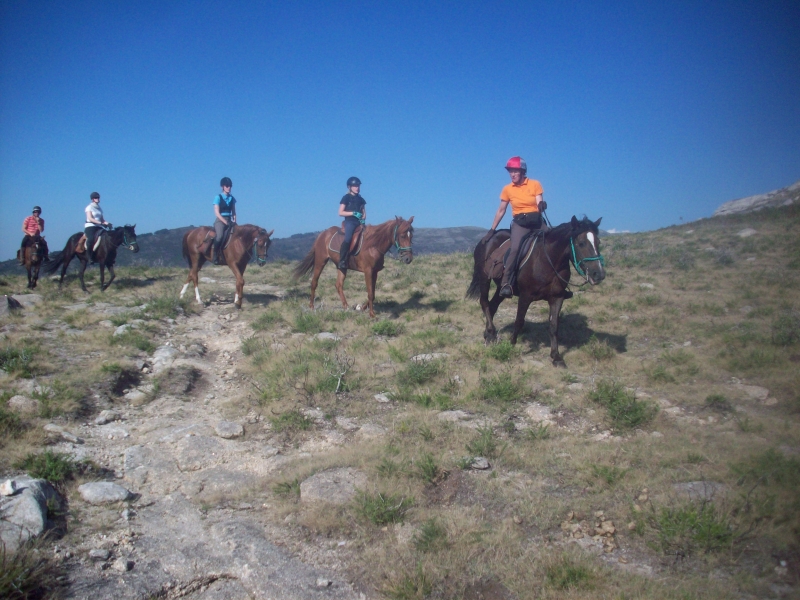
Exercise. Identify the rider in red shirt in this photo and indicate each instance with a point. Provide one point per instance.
(32, 226)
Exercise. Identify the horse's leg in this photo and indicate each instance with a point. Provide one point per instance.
(84, 264)
(555, 310)
(340, 275)
(111, 272)
(318, 266)
(371, 278)
(102, 277)
(519, 322)
(237, 299)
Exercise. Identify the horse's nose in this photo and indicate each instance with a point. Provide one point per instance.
(598, 275)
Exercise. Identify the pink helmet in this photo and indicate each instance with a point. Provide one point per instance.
(516, 162)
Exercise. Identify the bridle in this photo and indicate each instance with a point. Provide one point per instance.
(254, 250)
(575, 262)
(125, 241)
(400, 249)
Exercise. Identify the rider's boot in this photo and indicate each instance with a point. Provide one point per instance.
(20, 259)
(343, 254)
(219, 259)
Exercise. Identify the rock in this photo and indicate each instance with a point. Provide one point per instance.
(24, 515)
(429, 357)
(63, 433)
(103, 492)
(24, 405)
(8, 488)
(453, 416)
(647, 286)
(135, 396)
(106, 323)
(123, 565)
(657, 434)
(229, 430)
(323, 583)
(370, 430)
(754, 391)
(27, 300)
(334, 486)
(539, 413)
(479, 463)
(575, 387)
(746, 232)
(99, 554)
(163, 358)
(207, 280)
(198, 452)
(107, 416)
(700, 490)
(782, 197)
(382, 398)
(122, 329)
(346, 423)
(327, 335)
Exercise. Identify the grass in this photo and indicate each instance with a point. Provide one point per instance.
(502, 388)
(291, 421)
(690, 527)
(27, 573)
(624, 411)
(55, 467)
(18, 361)
(387, 328)
(382, 509)
(568, 575)
(427, 469)
(485, 444)
(431, 537)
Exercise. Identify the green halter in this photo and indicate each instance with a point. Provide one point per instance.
(577, 263)
(397, 243)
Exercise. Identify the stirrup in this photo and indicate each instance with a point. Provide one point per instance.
(506, 291)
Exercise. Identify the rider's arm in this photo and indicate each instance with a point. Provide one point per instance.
(233, 213)
(539, 198)
(40, 224)
(219, 216)
(343, 212)
(25, 231)
(498, 216)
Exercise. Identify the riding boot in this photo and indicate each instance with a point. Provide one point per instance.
(343, 254)
(509, 279)
(219, 259)
(20, 257)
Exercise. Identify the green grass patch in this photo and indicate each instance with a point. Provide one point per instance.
(599, 350)
(719, 403)
(503, 388)
(135, 339)
(502, 351)
(55, 467)
(608, 473)
(687, 528)
(288, 488)
(623, 409)
(307, 322)
(267, 320)
(382, 509)
(292, 420)
(18, 361)
(566, 575)
(427, 469)
(387, 328)
(419, 372)
(486, 444)
(431, 537)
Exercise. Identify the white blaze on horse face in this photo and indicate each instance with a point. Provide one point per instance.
(197, 294)
(183, 291)
(590, 235)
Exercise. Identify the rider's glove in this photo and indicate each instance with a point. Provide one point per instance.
(488, 236)
(362, 221)
(542, 206)
(357, 215)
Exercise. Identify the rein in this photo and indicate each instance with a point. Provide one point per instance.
(400, 249)
(575, 263)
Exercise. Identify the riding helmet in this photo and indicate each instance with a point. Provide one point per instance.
(225, 182)
(353, 181)
(37, 209)
(517, 162)
(94, 195)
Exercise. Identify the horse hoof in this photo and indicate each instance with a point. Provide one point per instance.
(559, 364)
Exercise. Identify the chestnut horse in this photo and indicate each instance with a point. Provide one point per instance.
(32, 258)
(377, 241)
(238, 251)
(543, 274)
(106, 254)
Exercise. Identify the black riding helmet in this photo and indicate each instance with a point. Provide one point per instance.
(225, 182)
(94, 195)
(37, 209)
(353, 181)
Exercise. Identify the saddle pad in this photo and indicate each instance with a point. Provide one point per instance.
(495, 265)
(355, 244)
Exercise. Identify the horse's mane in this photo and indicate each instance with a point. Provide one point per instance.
(565, 230)
(384, 229)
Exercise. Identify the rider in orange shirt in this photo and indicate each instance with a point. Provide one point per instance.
(526, 199)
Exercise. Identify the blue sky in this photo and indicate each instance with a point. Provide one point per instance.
(639, 112)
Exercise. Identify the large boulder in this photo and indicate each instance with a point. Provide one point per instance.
(23, 515)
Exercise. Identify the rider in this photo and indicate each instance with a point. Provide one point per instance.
(352, 208)
(32, 225)
(225, 211)
(95, 223)
(525, 197)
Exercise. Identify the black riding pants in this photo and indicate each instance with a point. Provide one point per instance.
(350, 224)
(91, 235)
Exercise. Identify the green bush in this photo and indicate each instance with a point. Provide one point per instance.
(417, 373)
(18, 361)
(607, 473)
(624, 410)
(683, 529)
(566, 575)
(55, 467)
(292, 420)
(786, 329)
(266, 320)
(500, 388)
(502, 351)
(382, 509)
(599, 350)
(427, 468)
(486, 444)
(432, 536)
(307, 322)
(288, 488)
(719, 403)
(135, 339)
(10, 423)
(387, 328)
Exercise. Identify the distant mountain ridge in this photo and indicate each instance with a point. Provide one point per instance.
(782, 197)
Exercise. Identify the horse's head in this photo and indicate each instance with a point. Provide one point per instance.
(585, 242)
(129, 237)
(262, 243)
(403, 232)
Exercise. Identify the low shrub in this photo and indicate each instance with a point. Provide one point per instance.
(719, 403)
(382, 509)
(607, 473)
(502, 351)
(686, 528)
(786, 329)
(566, 575)
(624, 410)
(26, 573)
(420, 372)
(387, 328)
(432, 536)
(55, 467)
(486, 444)
(288, 488)
(538, 431)
(599, 350)
(500, 388)
(18, 361)
(266, 320)
(428, 469)
(292, 420)
(307, 322)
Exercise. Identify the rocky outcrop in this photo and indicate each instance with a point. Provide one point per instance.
(24, 510)
(783, 197)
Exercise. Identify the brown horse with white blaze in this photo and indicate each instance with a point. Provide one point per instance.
(244, 240)
(543, 274)
(377, 241)
(32, 258)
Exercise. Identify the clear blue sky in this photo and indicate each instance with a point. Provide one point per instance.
(639, 112)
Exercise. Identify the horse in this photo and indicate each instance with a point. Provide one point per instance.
(106, 254)
(543, 274)
(238, 251)
(377, 241)
(32, 257)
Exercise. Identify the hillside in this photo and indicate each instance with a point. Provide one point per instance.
(283, 452)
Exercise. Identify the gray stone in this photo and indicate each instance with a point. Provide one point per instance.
(106, 323)
(207, 280)
(163, 358)
(103, 492)
(327, 335)
(647, 286)
(539, 413)
(382, 398)
(24, 405)
(370, 430)
(198, 452)
(700, 490)
(24, 515)
(575, 387)
(229, 430)
(123, 565)
(28, 300)
(479, 463)
(422, 358)
(99, 554)
(57, 430)
(782, 197)
(107, 416)
(122, 329)
(334, 486)
(8, 487)
(746, 232)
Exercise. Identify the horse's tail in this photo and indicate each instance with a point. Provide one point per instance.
(186, 248)
(65, 257)
(305, 265)
(478, 276)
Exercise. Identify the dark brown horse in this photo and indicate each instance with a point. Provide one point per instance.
(543, 274)
(106, 253)
(238, 251)
(377, 241)
(32, 257)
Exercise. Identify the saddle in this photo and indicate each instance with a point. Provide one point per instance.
(80, 247)
(355, 244)
(497, 261)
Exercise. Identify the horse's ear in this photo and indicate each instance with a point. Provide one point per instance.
(597, 223)
(270, 233)
(574, 221)
(410, 220)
